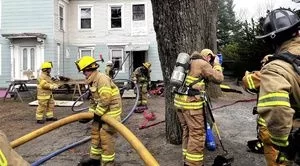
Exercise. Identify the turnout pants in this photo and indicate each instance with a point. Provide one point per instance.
(193, 139)
(45, 105)
(269, 151)
(143, 94)
(103, 143)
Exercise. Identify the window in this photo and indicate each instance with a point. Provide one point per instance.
(85, 17)
(117, 58)
(87, 51)
(61, 17)
(138, 12)
(116, 16)
(32, 59)
(25, 59)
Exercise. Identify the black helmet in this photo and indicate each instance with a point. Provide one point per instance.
(279, 22)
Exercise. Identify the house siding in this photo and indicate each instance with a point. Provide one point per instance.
(30, 16)
(42, 16)
(101, 37)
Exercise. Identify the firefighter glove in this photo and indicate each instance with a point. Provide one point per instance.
(53, 86)
(85, 120)
(97, 118)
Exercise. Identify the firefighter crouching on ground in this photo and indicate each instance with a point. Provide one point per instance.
(141, 76)
(44, 94)
(279, 95)
(9, 157)
(109, 70)
(189, 105)
(251, 82)
(106, 99)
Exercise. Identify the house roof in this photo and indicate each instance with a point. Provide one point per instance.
(24, 35)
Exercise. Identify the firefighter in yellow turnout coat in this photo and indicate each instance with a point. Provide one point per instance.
(106, 99)
(279, 95)
(44, 94)
(141, 76)
(9, 157)
(251, 82)
(190, 107)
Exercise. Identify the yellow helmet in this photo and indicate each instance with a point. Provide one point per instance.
(205, 52)
(46, 65)
(147, 65)
(85, 63)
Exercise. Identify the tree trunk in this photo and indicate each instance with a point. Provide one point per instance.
(181, 26)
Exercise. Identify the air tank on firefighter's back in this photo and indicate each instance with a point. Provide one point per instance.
(180, 69)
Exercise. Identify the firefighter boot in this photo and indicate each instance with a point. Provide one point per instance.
(51, 119)
(111, 163)
(256, 146)
(40, 121)
(89, 162)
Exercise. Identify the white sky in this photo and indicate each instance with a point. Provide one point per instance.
(246, 9)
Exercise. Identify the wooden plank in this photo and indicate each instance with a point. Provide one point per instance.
(59, 103)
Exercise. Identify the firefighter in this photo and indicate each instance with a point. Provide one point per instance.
(189, 104)
(141, 76)
(106, 99)
(279, 94)
(109, 70)
(45, 86)
(251, 82)
(9, 157)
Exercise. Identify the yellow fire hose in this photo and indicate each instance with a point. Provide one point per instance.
(124, 131)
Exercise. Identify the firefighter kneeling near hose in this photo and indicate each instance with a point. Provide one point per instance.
(45, 86)
(106, 99)
(188, 101)
(279, 94)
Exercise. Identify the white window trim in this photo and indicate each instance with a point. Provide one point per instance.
(79, 16)
(110, 57)
(109, 15)
(64, 16)
(92, 49)
(146, 15)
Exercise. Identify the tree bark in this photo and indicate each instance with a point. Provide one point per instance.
(181, 26)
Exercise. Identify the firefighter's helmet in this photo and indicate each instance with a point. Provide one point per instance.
(147, 65)
(86, 63)
(109, 63)
(279, 23)
(47, 65)
(205, 52)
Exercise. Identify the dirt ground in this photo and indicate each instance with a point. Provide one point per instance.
(236, 124)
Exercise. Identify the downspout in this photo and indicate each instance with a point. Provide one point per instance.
(63, 50)
(12, 61)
